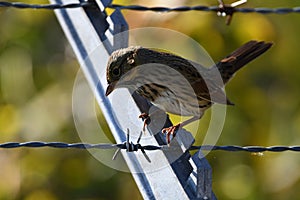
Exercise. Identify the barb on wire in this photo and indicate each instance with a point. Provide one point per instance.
(130, 147)
(228, 10)
(45, 6)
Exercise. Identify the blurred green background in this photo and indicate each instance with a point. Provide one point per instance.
(37, 72)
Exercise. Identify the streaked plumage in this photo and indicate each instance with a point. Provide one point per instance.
(174, 84)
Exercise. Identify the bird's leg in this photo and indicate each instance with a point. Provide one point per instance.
(146, 118)
(173, 129)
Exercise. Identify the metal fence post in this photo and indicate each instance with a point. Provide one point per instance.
(86, 29)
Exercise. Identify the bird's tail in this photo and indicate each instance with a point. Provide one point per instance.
(240, 57)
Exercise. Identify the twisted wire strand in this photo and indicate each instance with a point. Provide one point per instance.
(44, 6)
(136, 147)
(253, 149)
(154, 9)
(206, 8)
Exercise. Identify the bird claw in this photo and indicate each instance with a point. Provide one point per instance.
(146, 118)
(170, 131)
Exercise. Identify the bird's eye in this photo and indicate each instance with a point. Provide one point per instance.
(130, 61)
(116, 71)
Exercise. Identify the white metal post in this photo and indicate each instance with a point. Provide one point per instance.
(86, 29)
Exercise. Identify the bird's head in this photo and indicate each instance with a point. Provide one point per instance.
(120, 62)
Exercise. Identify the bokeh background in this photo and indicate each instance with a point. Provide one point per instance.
(37, 72)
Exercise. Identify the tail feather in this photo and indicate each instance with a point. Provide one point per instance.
(240, 57)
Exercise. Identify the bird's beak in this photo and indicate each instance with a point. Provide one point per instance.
(110, 88)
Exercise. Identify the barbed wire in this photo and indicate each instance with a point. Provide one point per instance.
(207, 8)
(136, 147)
(131, 147)
(154, 9)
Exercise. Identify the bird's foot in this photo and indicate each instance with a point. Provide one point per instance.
(146, 118)
(170, 131)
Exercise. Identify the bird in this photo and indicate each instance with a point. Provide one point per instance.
(175, 84)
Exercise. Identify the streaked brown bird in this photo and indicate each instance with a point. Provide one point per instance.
(174, 84)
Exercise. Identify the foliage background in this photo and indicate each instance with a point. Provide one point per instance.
(37, 71)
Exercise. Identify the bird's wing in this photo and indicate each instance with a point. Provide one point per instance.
(208, 85)
(209, 91)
